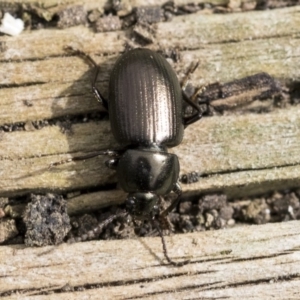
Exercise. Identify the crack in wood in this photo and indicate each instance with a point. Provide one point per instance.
(205, 175)
(60, 290)
(15, 85)
(185, 288)
(254, 258)
(289, 277)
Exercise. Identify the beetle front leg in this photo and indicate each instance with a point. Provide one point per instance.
(177, 190)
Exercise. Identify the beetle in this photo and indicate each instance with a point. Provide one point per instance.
(145, 107)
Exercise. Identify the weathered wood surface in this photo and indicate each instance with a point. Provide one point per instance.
(249, 151)
(242, 155)
(54, 5)
(61, 85)
(255, 262)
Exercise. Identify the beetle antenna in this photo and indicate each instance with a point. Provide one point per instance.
(165, 251)
(91, 234)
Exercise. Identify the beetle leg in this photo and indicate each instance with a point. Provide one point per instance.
(177, 190)
(95, 232)
(192, 101)
(96, 92)
(192, 119)
(196, 116)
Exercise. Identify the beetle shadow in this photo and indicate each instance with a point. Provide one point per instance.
(83, 122)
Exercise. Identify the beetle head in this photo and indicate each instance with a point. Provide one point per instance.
(142, 206)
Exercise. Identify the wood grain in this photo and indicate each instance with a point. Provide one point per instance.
(45, 82)
(239, 155)
(233, 151)
(255, 262)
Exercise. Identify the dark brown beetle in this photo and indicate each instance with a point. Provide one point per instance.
(145, 107)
